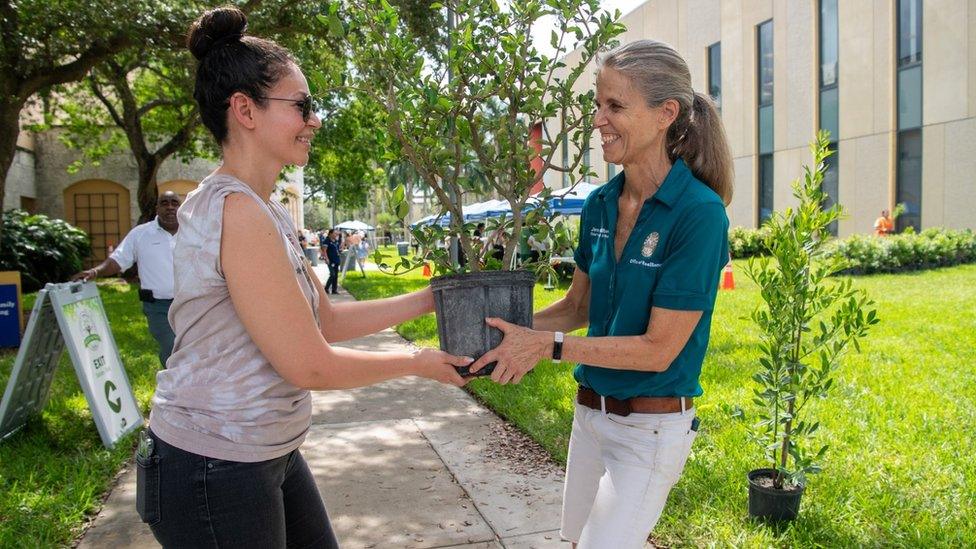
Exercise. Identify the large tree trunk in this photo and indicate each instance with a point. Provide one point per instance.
(147, 193)
(9, 128)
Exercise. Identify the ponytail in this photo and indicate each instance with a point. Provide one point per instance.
(699, 138)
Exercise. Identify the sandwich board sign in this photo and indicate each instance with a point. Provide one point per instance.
(70, 316)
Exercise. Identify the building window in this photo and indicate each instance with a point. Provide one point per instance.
(909, 177)
(909, 32)
(765, 62)
(764, 66)
(28, 204)
(98, 215)
(909, 181)
(715, 73)
(831, 184)
(828, 68)
(910, 97)
(765, 187)
(829, 109)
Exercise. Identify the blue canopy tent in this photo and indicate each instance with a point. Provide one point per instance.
(567, 201)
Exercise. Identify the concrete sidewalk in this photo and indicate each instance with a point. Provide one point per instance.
(406, 463)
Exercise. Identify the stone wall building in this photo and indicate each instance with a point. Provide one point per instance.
(894, 81)
(101, 199)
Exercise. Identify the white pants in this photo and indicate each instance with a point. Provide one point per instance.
(619, 473)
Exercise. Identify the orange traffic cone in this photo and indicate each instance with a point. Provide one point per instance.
(426, 270)
(728, 282)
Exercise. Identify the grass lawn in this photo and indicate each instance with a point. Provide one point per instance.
(54, 473)
(900, 471)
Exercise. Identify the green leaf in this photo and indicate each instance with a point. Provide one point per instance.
(335, 26)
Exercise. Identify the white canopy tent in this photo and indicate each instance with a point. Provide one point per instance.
(354, 225)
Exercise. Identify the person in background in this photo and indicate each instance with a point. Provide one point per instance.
(537, 248)
(884, 225)
(497, 242)
(349, 258)
(323, 236)
(362, 252)
(150, 246)
(334, 258)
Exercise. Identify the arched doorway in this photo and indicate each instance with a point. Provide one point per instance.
(181, 187)
(100, 208)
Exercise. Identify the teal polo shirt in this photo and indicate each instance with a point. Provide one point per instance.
(672, 260)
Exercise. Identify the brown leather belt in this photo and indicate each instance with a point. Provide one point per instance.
(637, 405)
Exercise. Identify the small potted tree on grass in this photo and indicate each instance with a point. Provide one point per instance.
(807, 320)
(463, 117)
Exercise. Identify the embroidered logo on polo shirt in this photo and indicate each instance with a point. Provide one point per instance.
(650, 244)
(599, 232)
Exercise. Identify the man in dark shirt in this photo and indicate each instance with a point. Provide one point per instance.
(332, 254)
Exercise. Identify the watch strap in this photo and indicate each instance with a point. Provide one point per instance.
(557, 347)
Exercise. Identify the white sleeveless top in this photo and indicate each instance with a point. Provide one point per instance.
(219, 396)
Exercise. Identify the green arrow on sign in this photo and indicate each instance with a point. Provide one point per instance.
(115, 405)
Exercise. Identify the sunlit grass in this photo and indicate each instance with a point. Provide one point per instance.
(900, 470)
(54, 473)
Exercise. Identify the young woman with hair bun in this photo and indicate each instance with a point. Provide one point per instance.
(220, 465)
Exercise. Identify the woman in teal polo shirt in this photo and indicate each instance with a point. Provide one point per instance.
(652, 244)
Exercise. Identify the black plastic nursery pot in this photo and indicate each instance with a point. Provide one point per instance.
(768, 503)
(462, 303)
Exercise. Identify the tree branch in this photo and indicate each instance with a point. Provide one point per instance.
(143, 110)
(93, 84)
(75, 70)
(132, 123)
(180, 139)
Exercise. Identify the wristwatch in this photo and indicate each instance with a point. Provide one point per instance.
(557, 347)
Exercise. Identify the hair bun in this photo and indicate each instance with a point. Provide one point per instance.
(215, 28)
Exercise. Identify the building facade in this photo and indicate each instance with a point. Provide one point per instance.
(893, 80)
(101, 200)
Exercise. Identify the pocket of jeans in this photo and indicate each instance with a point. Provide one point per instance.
(147, 489)
(674, 451)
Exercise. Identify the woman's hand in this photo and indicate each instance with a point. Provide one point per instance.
(439, 366)
(520, 350)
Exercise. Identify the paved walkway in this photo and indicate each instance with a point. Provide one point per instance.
(406, 463)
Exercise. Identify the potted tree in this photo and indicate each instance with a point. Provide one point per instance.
(807, 320)
(463, 117)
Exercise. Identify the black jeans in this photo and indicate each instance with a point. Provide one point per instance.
(333, 284)
(189, 500)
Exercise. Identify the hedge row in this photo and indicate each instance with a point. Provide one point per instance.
(906, 251)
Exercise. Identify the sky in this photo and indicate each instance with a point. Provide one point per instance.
(542, 31)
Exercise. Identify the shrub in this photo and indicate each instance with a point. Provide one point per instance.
(745, 242)
(931, 248)
(42, 249)
(867, 254)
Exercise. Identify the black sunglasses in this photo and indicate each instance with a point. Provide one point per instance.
(307, 105)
